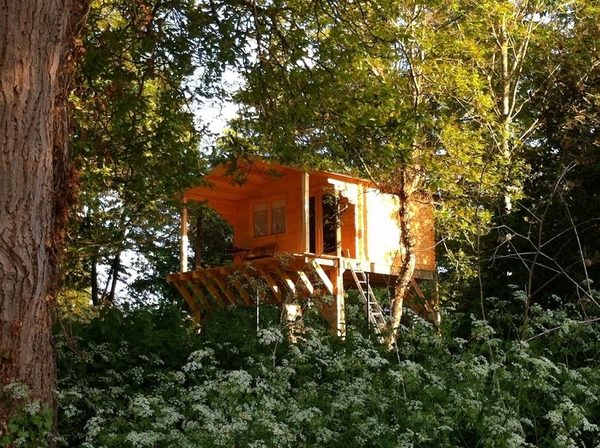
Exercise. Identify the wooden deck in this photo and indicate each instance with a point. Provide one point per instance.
(281, 279)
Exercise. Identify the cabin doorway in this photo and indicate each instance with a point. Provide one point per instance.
(312, 225)
(323, 224)
(329, 207)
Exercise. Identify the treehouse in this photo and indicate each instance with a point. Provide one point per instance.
(301, 235)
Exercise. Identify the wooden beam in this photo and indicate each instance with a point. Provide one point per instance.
(287, 280)
(358, 246)
(221, 284)
(233, 280)
(338, 229)
(208, 284)
(305, 215)
(184, 275)
(199, 294)
(340, 302)
(182, 288)
(417, 288)
(232, 277)
(423, 274)
(272, 284)
(306, 282)
(322, 276)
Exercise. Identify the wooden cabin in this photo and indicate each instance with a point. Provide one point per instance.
(302, 235)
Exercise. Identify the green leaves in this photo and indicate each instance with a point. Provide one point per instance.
(136, 141)
(152, 380)
(31, 425)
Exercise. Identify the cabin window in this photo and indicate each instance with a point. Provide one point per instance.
(270, 218)
(278, 217)
(261, 219)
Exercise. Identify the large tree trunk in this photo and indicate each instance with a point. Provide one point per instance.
(36, 186)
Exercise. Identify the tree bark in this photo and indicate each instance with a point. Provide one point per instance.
(409, 259)
(37, 186)
(94, 282)
(116, 268)
(198, 242)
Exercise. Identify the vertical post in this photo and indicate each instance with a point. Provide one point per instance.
(340, 302)
(338, 229)
(335, 312)
(257, 311)
(183, 248)
(368, 301)
(359, 229)
(305, 243)
(293, 314)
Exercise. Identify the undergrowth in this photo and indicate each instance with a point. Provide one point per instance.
(146, 378)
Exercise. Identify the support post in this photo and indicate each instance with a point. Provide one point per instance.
(337, 309)
(305, 243)
(338, 231)
(183, 248)
(293, 316)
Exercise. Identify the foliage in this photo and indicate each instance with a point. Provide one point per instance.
(144, 377)
(31, 424)
(558, 217)
(375, 87)
(145, 68)
(438, 89)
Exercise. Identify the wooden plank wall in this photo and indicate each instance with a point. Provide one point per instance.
(370, 230)
(383, 230)
(287, 187)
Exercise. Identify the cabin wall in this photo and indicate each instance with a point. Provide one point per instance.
(383, 230)
(240, 230)
(369, 223)
(348, 224)
(423, 227)
(225, 208)
(287, 188)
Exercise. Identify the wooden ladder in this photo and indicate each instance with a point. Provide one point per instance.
(375, 314)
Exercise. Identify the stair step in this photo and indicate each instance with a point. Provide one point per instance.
(375, 313)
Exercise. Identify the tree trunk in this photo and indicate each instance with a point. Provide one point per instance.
(409, 259)
(198, 242)
(94, 282)
(505, 111)
(116, 268)
(36, 187)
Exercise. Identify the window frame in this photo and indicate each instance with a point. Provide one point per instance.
(271, 203)
(264, 208)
